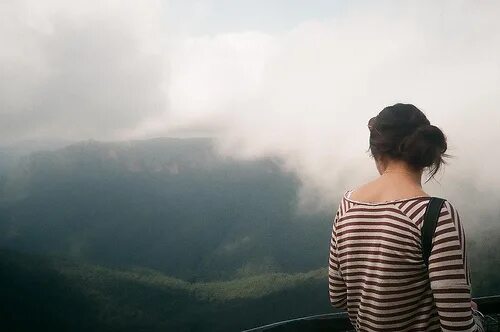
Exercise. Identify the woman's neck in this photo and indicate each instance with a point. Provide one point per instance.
(400, 170)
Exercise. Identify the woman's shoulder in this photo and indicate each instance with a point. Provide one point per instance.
(451, 210)
(363, 192)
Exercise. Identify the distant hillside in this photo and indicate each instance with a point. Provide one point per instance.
(10, 153)
(47, 294)
(166, 235)
(173, 205)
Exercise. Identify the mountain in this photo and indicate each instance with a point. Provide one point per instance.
(167, 235)
(173, 205)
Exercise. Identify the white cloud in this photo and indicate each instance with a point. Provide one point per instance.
(79, 69)
(307, 94)
(99, 69)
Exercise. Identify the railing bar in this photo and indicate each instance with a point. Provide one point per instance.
(340, 315)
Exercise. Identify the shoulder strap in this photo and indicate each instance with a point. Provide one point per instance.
(429, 227)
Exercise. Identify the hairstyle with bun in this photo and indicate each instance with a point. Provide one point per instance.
(403, 132)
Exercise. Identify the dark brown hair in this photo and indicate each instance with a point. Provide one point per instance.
(403, 132)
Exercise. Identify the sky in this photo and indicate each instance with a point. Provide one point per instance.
(294, 79)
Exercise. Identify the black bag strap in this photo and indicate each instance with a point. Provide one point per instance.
(429, 227)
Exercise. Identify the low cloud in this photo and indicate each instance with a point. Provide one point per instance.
(110, 70)
(308, 93)
(79, 69)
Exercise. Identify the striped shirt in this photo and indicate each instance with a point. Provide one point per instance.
(377, 273)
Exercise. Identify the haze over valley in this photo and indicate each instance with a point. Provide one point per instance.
(175, 165)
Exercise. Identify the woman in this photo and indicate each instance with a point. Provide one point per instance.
(376, 269)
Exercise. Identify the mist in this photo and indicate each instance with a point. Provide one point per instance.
(171, 165)
(304, 92)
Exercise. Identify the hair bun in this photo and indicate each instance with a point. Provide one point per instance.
(424, 146)
(403, 132)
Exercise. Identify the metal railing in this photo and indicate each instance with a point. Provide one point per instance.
(489, 306)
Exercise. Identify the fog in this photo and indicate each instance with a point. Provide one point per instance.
(303, 91)
(79, 69)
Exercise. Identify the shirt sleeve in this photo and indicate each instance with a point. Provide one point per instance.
(449, 273)
(337, 286)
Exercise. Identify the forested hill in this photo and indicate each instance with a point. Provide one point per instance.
(173, 205)
(166, 235)
(47, 294)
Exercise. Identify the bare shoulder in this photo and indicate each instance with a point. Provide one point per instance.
(366, 191)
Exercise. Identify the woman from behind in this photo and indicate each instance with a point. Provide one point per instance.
(376, 266)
